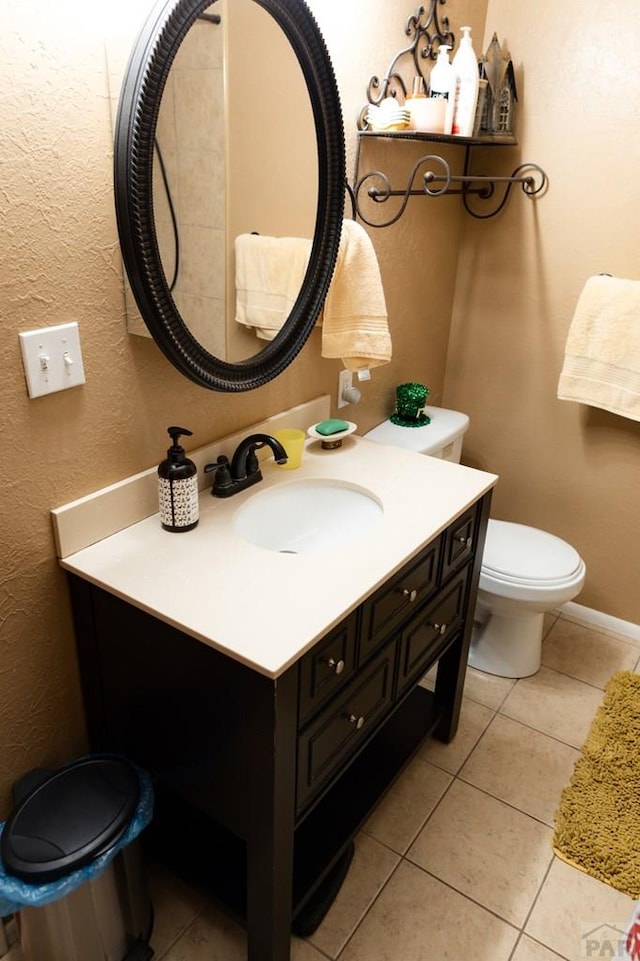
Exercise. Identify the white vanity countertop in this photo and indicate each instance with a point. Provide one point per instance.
(265, 608)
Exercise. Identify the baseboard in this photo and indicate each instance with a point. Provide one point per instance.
(600, 621)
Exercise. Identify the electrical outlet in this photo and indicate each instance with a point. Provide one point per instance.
(52, 359)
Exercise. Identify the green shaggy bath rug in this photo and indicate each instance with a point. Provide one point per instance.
(597, 826)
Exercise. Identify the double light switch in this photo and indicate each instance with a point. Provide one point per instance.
(52, 359)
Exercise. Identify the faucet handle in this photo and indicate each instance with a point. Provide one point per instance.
(252, 462)
(222, 482)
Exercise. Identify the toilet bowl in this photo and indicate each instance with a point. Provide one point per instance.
(525, 571)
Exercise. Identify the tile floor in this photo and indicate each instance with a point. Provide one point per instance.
(456, 863)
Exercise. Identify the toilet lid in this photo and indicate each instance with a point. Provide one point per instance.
(514, 552)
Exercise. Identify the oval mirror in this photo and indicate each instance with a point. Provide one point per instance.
(141, 188)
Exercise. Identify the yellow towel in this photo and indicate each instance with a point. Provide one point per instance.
(354, 324)
(602, 355)
(269, 275)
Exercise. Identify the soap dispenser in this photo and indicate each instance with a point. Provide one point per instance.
(465, 67)
(178, 486)
(442, 84)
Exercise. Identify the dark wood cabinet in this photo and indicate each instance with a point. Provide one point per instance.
(261, 783)
(328, 742)
(330, 665)
(396, 600)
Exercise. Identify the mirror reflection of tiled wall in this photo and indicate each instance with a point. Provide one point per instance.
(190, 136)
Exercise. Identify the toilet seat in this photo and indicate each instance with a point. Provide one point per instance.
(520, 562)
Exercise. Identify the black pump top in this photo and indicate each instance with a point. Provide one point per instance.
(70, 818)
(176, 451)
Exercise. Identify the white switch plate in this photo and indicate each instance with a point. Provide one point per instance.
(52, 359)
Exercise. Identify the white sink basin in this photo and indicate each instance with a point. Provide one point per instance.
(308, 515)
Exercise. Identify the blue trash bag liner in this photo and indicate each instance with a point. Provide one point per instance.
(16, 894)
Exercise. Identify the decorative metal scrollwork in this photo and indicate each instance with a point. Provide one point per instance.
(383, 192)
(531, 178)
(440, 182)
(427, 34)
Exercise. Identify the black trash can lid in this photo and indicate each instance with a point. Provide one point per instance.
(71, 818)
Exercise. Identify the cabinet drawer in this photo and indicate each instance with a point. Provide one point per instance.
(345, 725)
(392, 603)
(431, 631)
(327, 667)
(459, 542)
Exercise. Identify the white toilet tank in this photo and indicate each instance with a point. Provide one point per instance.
(441, 438)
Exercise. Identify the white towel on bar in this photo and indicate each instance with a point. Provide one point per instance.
(602, 355)
(354, 321)
(269, 274)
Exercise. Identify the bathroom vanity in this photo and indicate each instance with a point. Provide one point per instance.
(275, 697)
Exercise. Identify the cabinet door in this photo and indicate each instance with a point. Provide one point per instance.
(392, 603)
(459, 542)
(327, 667)
(345, 725)
(426, 637)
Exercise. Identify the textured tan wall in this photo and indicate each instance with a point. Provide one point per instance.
(60, 262)
(565, 467)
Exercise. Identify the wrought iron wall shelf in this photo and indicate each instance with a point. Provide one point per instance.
(483, 196)
(439, 181)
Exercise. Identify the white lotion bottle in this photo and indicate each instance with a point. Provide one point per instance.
(465, 68)
(442, 84)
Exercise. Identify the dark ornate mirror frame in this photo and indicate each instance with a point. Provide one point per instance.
(144, 83)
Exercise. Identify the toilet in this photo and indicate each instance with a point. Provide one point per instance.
(525, 571)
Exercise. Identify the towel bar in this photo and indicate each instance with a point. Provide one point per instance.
(529, 176)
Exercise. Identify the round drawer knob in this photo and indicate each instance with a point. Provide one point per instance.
(410, 594)
(358, 721)
(465, 540)
(336, 666)
(440, 628)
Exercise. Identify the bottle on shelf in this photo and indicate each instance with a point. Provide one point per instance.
(442, 85)
(465, 67)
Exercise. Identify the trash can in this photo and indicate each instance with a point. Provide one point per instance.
(72, 866)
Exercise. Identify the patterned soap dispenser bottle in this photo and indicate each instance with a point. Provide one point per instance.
(178, 486)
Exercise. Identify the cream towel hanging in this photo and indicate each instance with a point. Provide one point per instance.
(602, 354)
(354, 321)
(269, 275)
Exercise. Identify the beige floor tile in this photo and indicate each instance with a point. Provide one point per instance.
(473, 720)
(487, 689)
(486, 850)
(175, 906)
(215, 937)
(428, 680)
(14, 954)
(417, 918)
(212, 937)
(529, 950)
(586, 654)
(577, 916)
(523, 767)
(554, 704)
(407, 805)
(303, 951)
(370, 869)
(549, 619)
